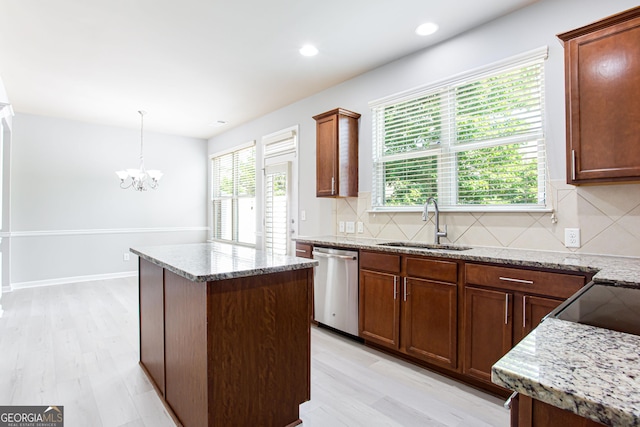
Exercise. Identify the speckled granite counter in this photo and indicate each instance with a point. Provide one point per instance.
(613, 270)
(590, 371)
(203, 262)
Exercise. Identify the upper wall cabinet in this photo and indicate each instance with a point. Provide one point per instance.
(602, 71)
(337, 153)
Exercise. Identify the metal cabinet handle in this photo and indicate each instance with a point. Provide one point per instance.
(333, 185)
(509, 279)
(506, 309)
(524, 311)
(507, 404)
(573, 165)
(405, 289)
(301, 250)
(395, 287)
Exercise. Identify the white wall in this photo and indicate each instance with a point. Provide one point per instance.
(69, 216)
(518, 32)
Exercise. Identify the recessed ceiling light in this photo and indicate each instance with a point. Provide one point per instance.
(218, 123)
(308, 50)
(426, 29)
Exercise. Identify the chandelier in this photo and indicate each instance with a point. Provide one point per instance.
(140, 179)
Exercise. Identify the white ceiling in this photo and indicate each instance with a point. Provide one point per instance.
(190, 63)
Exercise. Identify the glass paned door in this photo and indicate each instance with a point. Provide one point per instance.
(277, 216)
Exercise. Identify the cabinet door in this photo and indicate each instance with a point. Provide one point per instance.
(534, 309)
(326, 156)
(430, 322)
(379, 308)
(488, 330)
(602, 64)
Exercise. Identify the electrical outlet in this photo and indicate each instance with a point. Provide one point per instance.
(351, 227)
(572, 237)
(360, 227)
(341, 226)
(125, 256)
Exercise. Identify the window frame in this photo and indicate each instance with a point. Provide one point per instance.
(447, 183)
(235, 226)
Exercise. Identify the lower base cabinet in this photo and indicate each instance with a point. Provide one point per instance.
(502, 305)
(488, 330)
(430, 326)
(534, 413)
(409, 305)
(379, 308)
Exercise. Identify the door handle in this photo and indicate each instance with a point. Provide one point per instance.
(509, 279)
(506, 309)
(395, 287)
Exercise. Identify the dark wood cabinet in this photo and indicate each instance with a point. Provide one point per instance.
(534, 309)
(502, 305)
(304, 250)
(534, 413)
(488, 330)
(430, 321)
(409, 304)
(337, 153)
(602, 82)
(379, 305)
(379, 308)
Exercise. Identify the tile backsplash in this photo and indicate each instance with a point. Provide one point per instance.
(608, 217)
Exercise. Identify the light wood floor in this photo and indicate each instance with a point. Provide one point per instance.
(77, 345)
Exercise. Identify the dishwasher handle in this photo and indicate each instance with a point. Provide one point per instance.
(325, 255)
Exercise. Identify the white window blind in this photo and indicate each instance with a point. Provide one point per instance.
(276, 209)
(474, 141)
(233, 196)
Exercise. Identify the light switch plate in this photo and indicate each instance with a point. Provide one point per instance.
(341, 226)
(351, 227)
(360, 227)
(572, 237)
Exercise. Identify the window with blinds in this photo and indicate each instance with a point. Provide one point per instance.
(474, 142)
(234, 196)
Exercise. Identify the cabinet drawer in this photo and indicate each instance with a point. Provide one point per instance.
(559, 285)
(443, 271)
(304, 250)
(380, 262)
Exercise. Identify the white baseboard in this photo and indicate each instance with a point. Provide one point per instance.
(76, 279)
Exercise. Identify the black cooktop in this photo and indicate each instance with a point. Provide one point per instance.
(610, 307)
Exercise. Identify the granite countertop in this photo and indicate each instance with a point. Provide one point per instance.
(203, 262)
(590, 371)
(614, 270)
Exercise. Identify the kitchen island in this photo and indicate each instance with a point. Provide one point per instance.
(225, 333)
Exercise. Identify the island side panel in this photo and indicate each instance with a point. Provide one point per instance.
(186, 349)
(259, 344)
(151, 300)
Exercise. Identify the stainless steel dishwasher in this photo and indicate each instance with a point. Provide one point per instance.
(336, 289)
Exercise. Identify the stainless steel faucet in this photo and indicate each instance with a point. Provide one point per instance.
(437, 234)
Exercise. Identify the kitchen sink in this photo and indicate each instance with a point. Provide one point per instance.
(432, 246)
